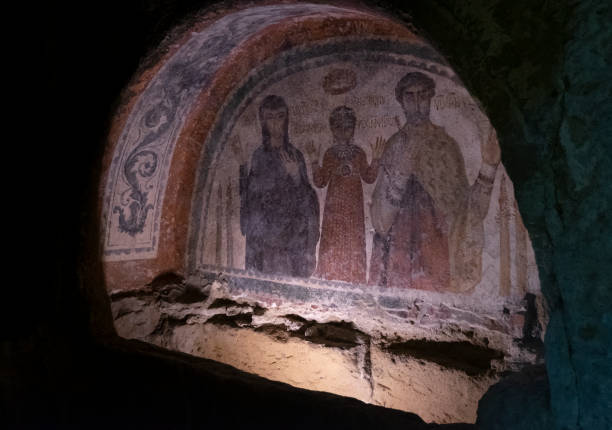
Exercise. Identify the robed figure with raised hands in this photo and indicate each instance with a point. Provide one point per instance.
(342, 251)
(279, 210)
(428, 219)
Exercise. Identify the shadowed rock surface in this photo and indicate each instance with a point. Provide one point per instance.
(129, 384)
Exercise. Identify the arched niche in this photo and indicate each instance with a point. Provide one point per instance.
(402, 275)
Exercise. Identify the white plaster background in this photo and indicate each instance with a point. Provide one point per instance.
(373, 97)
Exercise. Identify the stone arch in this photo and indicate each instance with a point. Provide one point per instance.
(186, 127)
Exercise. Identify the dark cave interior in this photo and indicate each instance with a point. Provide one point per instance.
(541, 71)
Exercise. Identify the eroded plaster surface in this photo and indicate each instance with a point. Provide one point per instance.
(349, 211)
(278, 237)
(139, 170)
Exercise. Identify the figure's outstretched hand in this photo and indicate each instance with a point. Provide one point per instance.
(378, 147)
(491, 152)
(291, 165)
(313, 152)
(239, 152)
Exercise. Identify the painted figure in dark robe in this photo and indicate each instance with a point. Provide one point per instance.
(428, 219)
(279, 210)
(342, 252)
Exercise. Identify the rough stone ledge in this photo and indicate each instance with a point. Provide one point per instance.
(332, 317)
(333, 340)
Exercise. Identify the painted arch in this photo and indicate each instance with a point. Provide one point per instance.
(457, 263)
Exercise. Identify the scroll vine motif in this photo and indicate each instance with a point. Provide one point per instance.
(180, 81)
(137, 171)
(142, 164)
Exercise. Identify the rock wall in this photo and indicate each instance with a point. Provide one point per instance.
(438, 374)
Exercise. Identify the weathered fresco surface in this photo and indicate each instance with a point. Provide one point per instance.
(373, 168)
(343, 189)
(139, 171)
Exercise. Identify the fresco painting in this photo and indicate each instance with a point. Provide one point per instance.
(382, 176)
(279, 210)
(342, 253)
(138, 174)
(427, 218)
(340, 191)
